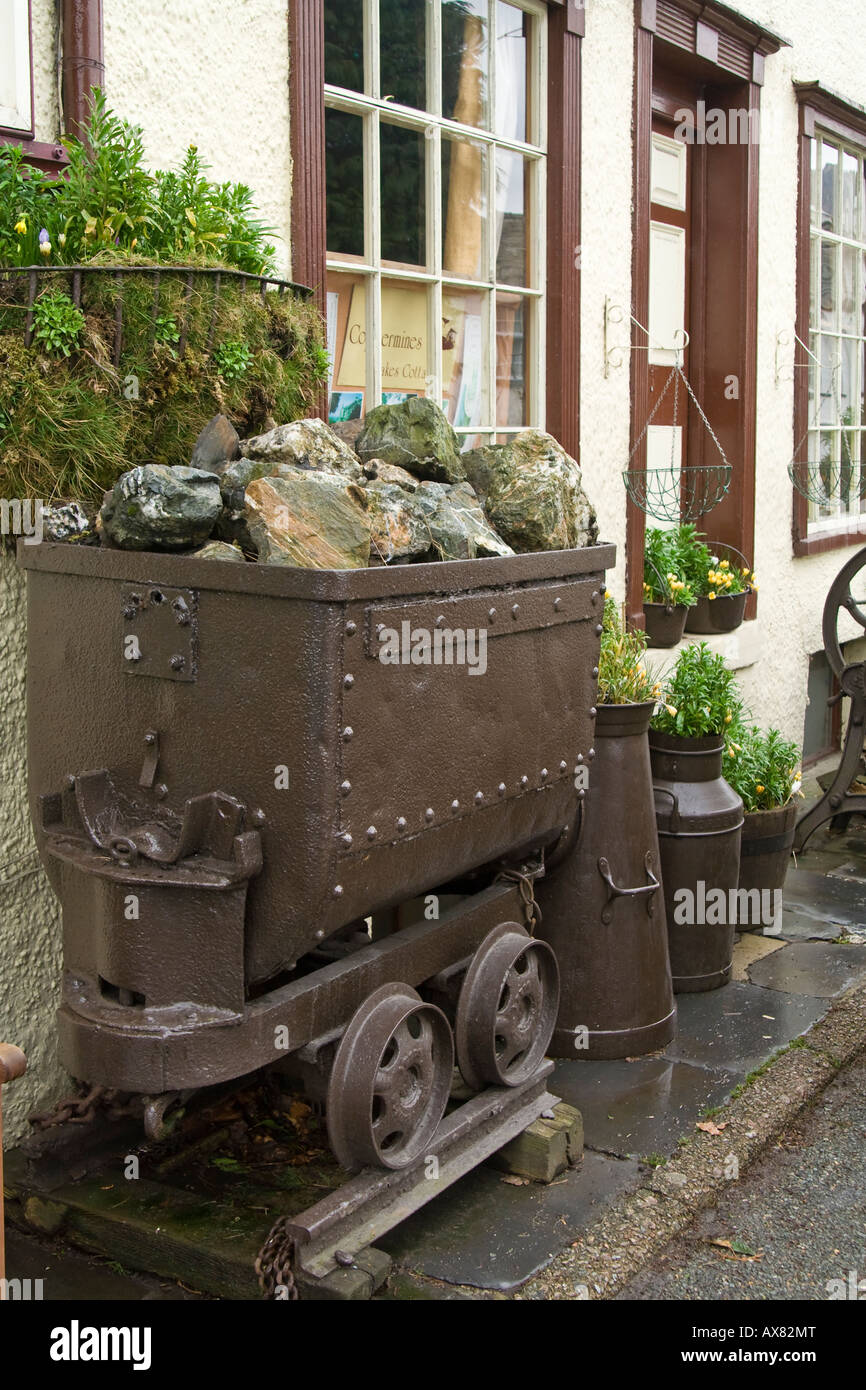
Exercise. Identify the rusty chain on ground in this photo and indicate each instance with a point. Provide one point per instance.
(82, 1108)
(274, 1262)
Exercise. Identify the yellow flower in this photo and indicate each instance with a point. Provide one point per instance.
(725, 565)
(745, 571)
(61, 240)
(711, 596)
(758, 787)
(671, 711)
(21, 226)
(731, 753)
(728, 718)
(45, 248)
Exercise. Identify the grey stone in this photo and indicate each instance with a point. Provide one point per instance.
(154, 507)
(535, 497)
(400, 532)
(70, 522)
(379, 471)
(818, 969)
(414, 435)
(347, 431)
(457, 525)
(218, 550)
(216, 446)
(307, 444)
(310, 520)
(479, 464)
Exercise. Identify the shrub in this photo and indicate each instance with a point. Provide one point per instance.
(765, 769)
(622, 677)
(700, 695)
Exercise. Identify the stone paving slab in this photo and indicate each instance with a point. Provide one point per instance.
(816, 969)
(825, 898)
(491, 1234)
(736, 1028)
(640, 1107)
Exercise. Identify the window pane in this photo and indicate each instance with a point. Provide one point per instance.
(464, 208)
(344, 175)
(405, 341)
(850, 309)
(815, 190)
(402, 50)
(830, 158)
(511, 53)
(402, 174)
(347, 335)
(829, 261)
(850, 190)
(464, 354)
(511, 321)
(511, 178)
(830, 371)
(344, 44)
(814, 280)
(465, 61)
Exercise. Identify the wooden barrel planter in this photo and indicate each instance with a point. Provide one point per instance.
(765, 853)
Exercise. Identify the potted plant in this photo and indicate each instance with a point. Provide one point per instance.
(699, 815)
(134, 306)
(722, 581)
(766, 775)
(606, 920)
(667, 596)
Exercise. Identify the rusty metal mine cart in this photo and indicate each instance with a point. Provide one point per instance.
(227, 784)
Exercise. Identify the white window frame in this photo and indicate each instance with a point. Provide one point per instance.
(827, 519)
(19, 117)
(434, 125)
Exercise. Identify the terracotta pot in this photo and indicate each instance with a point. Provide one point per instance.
(603, 907)
(723, 614)
(768, 838)
(700, 821)
(664, 623)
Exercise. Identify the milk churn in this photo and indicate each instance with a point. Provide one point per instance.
(700, 820)
(603, 906)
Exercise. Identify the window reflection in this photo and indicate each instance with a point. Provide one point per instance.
(464, 61)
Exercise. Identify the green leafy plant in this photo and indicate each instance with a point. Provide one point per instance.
(700, 696)
(165, 329)
(57, 324)
(232, 359)
(765, 771)
(622, 676)
(667, 567)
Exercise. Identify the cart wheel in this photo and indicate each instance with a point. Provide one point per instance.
(390, 1081)
(507, 1008)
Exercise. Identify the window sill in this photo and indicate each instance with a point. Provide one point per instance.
(822, 541)
(50, 158)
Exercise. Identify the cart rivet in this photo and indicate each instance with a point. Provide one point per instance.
(543, 773)
(70, 780)
(563, 766)
(515, 609)
(557, 604)
(428, 814)
(455, 805)
(342, 1257)
(440, 620)
(177, 662)
(592, 711)
(259, 816)
(479, 797)
(491, 614)
(581, 794)
(338, 890)
(161, 791)
(580, 757)
(349, 681)
(347, 733)
(345, 788)
(351, 629)
(371, 832)
(150, 738)
(501, 788)
(524, 781)
(401, 823)
(129, 611)
(595, 670)
(595, 596)
(320, 934)
(591, 753)
(598, 629)
(346, 840)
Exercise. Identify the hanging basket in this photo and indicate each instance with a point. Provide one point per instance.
(674, 494)
(822, 483)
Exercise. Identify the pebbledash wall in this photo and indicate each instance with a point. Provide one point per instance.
(217, 75)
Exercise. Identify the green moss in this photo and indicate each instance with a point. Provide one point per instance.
(72, 424)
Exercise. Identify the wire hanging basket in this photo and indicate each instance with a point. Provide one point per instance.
(822, 483)
(677, 494)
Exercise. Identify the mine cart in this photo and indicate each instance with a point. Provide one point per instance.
(229, 784)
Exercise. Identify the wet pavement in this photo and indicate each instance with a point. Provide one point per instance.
(770, 1238)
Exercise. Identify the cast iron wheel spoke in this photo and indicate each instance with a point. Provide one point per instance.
(853, 607)
(507, 1008)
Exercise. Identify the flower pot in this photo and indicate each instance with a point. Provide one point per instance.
(768, 838)
(664, 623)
(700, 821)
(603, 907)
(722, 614)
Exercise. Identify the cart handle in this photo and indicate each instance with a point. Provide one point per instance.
(646, 890)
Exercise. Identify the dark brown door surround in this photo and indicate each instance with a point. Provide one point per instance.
(688, 52)
(307, 115)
